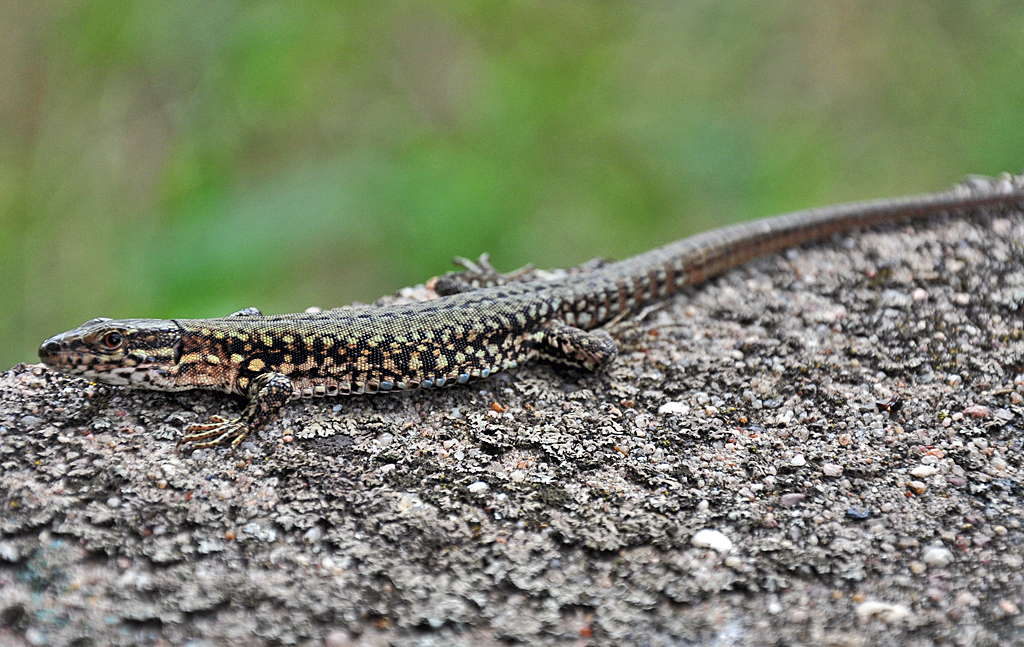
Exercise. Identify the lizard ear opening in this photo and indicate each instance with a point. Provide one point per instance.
(176, 348)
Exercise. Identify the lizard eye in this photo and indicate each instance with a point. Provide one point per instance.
(113, 340)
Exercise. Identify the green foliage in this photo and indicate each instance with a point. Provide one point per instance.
(189, 159)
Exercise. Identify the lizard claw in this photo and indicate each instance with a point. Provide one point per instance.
(269, 392)
(216, 432)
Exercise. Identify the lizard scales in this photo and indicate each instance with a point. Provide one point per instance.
(470, 333)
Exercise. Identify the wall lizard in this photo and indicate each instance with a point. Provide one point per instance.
(470, 332)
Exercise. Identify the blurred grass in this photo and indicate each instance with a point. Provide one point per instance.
(189, 159)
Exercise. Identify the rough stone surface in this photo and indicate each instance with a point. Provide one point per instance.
(363, 521)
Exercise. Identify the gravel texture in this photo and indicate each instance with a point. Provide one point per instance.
(819, 448)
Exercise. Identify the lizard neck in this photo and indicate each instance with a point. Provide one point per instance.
(210, 356)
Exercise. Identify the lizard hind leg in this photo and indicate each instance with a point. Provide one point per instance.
(247, 312)
(588, 349)
(476, 275)
(267, 394)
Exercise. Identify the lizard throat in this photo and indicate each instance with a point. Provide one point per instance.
(154, 378)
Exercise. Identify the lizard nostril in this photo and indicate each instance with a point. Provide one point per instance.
(51, 348)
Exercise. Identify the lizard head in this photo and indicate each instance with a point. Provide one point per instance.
(126, 352)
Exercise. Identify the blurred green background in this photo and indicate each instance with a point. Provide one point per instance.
(187, 159)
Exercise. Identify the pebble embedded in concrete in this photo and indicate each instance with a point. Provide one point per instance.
(712, 539)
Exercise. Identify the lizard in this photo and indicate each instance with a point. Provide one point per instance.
(482, 323)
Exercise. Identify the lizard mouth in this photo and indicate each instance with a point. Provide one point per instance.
(55, 352)
(58, 354)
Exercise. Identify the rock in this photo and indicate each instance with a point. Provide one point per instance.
(977, 411)
(338, 638)
(313, 535)
(924, 471)
(966, 599)
(712, 539)
(832, 470)
(1009, 607)
(888, 613)
(31, 421)
(9, 552)
(858, 513)
(674, 409)
(917, 487)
(937, 556)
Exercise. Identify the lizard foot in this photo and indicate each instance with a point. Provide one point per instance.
(586, 349)
(216, 432)
(475, 275)
(268, 393)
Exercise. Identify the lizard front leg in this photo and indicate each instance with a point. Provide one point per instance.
(267, 394)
